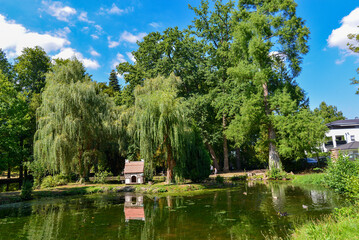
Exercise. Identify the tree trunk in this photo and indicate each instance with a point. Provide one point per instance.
(238, 158)
(8, 171)
(21, 174)
(213, 156)
(8, 176)
(170, 162)
(273, 160)
(21, 171)
(225, 146)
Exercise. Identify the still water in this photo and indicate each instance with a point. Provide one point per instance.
(250, 211)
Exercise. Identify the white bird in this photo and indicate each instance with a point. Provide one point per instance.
(305, 206)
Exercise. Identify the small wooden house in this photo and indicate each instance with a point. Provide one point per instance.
(134, 172)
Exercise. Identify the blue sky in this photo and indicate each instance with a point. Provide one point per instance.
(103, 33)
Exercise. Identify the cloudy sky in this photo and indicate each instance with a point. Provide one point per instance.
(104, 33)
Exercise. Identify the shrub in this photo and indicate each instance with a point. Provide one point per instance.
(26, 190)
(342, 175)
(53, 181)
(219, 179)
(239, 178)
(100, 177)
(276, 174)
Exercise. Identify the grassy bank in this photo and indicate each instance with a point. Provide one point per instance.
(315, 178)
(343, 224)
(158, 189)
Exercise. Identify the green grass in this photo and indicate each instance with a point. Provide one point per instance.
(315, 178)
(342, 225)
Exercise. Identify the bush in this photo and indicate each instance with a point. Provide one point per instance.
(219, 179)
(239, 178)
(100, 177)
(26, 190)
(277, 174)
(342, 175)
(53, 181)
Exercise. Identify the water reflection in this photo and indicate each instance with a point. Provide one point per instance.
(133, 208)
(225, 214)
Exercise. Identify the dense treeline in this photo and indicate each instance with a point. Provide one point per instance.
(222, 91)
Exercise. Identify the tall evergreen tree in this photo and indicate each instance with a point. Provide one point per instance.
(113, 81)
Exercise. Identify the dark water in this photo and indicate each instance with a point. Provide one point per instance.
(224, 214)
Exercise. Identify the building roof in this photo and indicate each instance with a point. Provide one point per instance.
(134, 167)
(344, 123)
(351, 145)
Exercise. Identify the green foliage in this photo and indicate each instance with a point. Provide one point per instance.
(268, 57)
(354, 48)
(317, 178)
(219, 179)
(31, 67)
(342, 225)
(100, 177)
(53, 181)
(26, 190)
(328, 113)
(159, 121)
(239, 178)
(5, 66)
(194, 163)
(113, 81)
(276, 174)
(342, 175)
(14, 118)
(75, 121)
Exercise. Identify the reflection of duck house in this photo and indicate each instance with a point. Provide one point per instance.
(134, 172)
(134, 209)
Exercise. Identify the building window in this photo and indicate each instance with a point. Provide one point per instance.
(352, 138)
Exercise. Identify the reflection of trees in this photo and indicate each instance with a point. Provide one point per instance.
(221, 214)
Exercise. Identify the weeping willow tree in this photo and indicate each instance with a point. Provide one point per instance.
(73, 121)
(160, 121)
(162, 126)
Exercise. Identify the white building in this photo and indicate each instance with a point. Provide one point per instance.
(341, 132)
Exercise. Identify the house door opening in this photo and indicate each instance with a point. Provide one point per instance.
(133, 179)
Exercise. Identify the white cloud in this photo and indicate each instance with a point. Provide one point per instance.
(119, 59)
(130, 56)
(98, 27)
(94, 53)
(155, 25)
(83, 17)
(94, 36)
(115, 10)
(63, 32)
(85, 29)
(339, 37)
(67, 53)
(58, 10)
(15, 37)
(112, 44)
(131, 38)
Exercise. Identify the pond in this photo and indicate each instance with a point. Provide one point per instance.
(250, 211)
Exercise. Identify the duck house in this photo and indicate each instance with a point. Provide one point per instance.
(134, 172)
